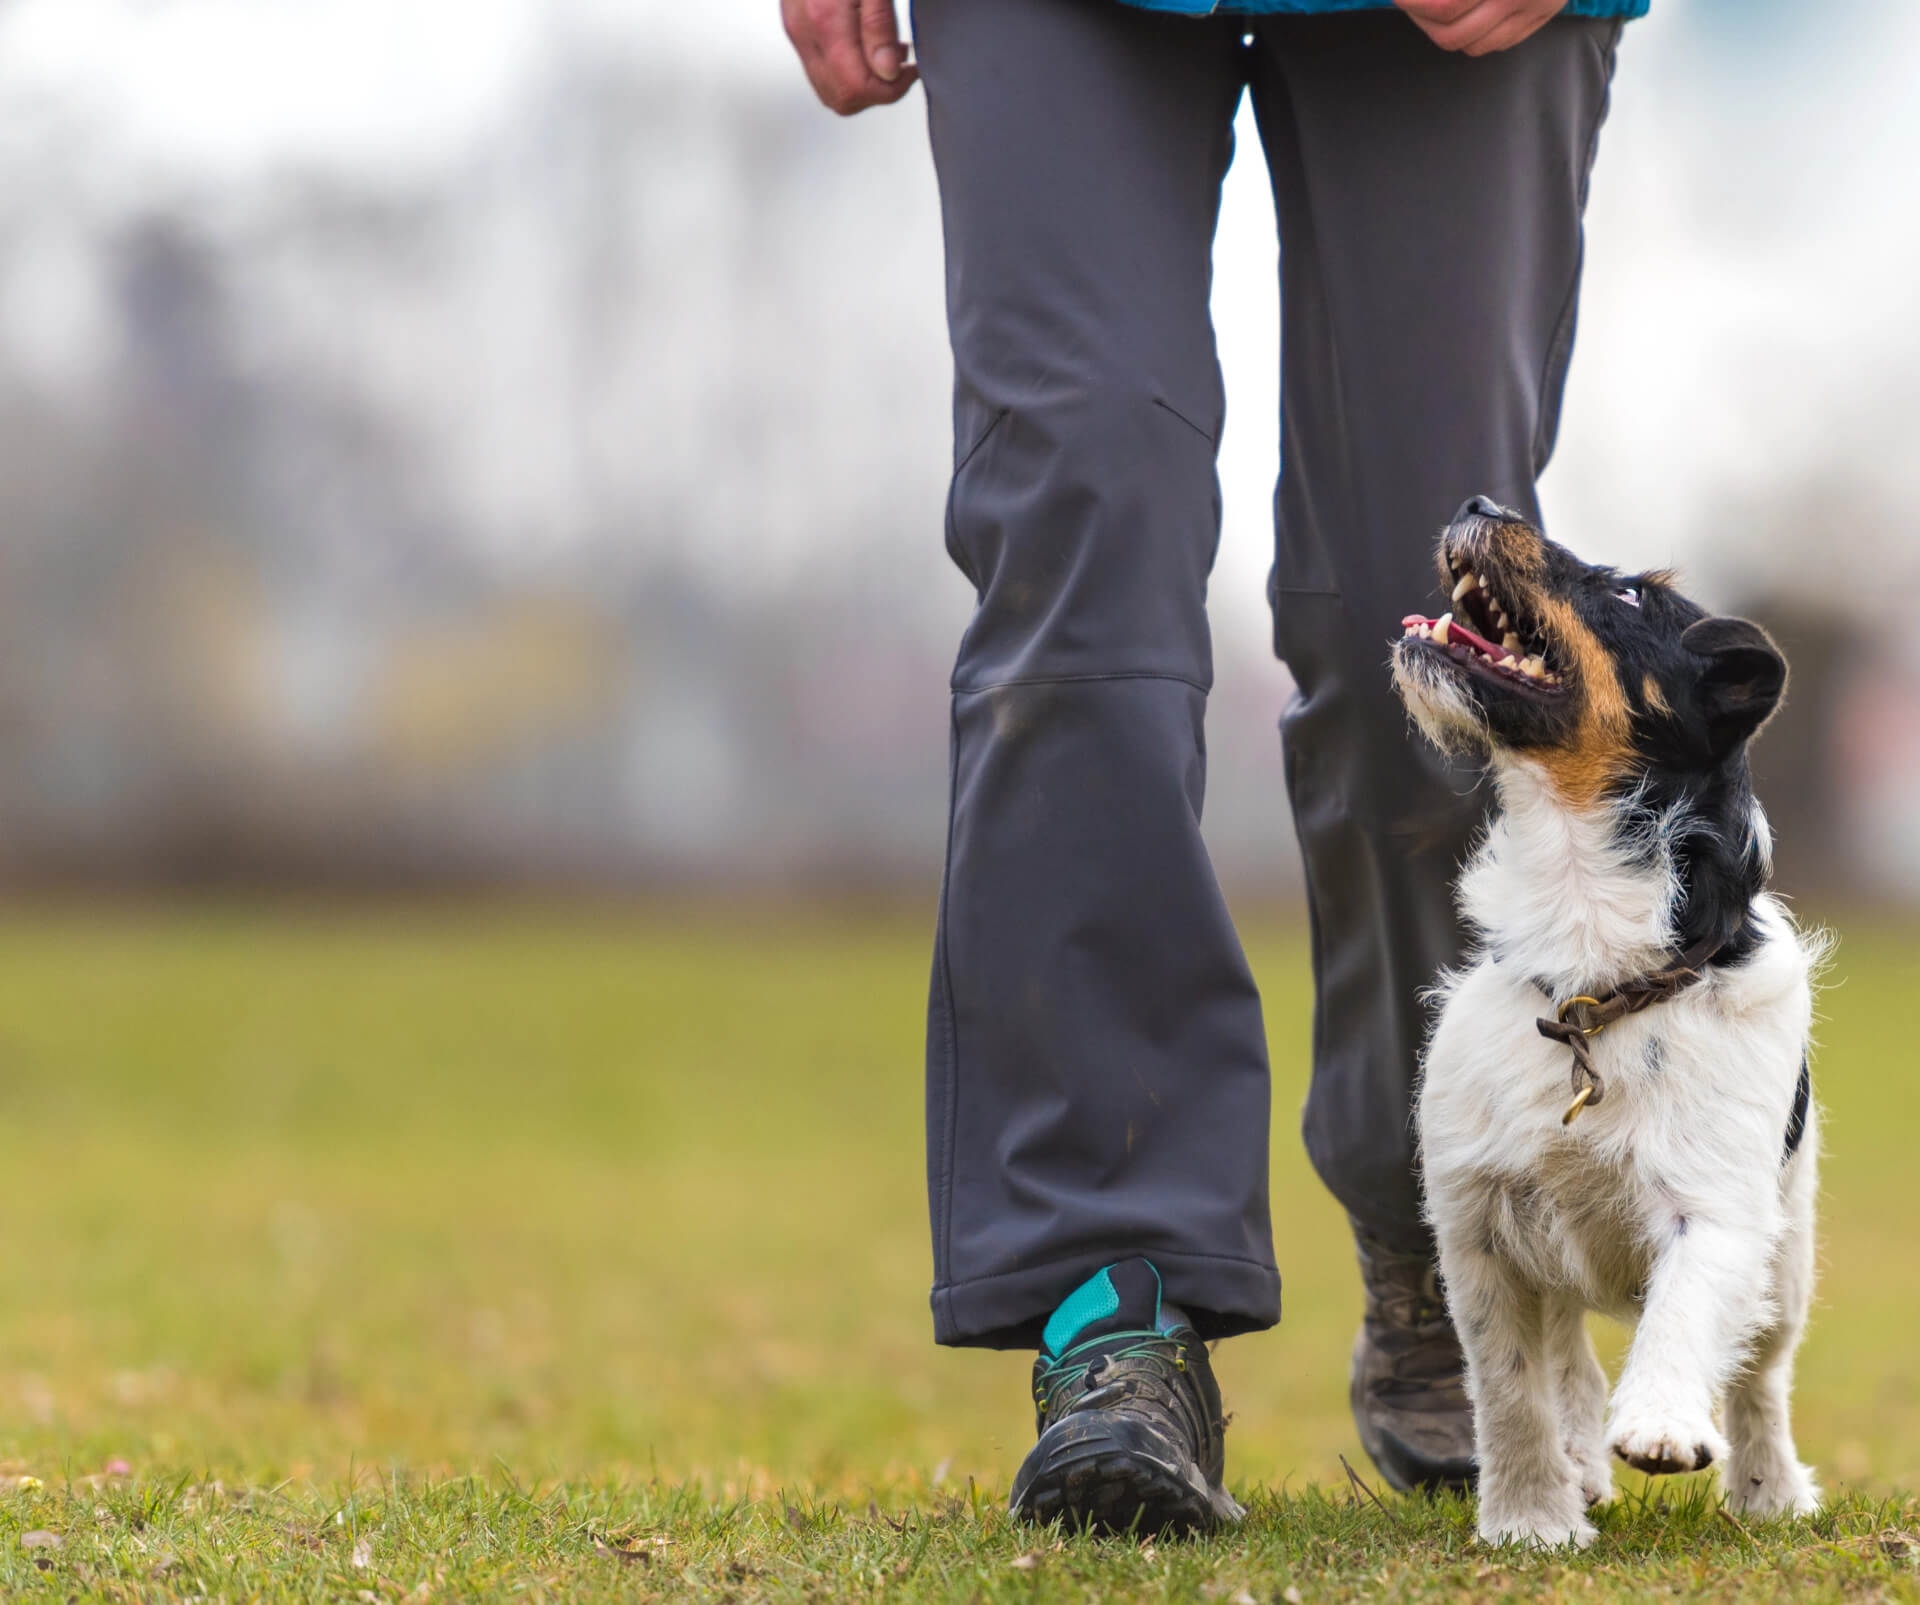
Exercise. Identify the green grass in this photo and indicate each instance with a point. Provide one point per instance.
(495, 1238)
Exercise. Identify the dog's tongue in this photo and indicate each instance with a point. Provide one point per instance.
(1457, 630)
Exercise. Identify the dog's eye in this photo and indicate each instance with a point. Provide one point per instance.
(1630, 594)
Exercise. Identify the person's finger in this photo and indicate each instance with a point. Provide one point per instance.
(1492, 25)
(1438, 13)
(1462, 26)
(796, 16)
(880, 39)
(1497, 25)
(1465, 36)
(835, 62)
(826, 35)
(880, 92)
(837, 29)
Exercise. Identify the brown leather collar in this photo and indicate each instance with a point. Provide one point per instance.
(1582, 1018)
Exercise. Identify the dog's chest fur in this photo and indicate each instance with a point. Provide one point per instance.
(1699, 1089)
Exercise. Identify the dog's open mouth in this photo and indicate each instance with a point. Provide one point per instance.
(1486, 635)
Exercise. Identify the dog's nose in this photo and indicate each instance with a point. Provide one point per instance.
(1487, 507)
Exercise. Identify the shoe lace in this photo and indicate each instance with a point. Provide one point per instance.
(1061, 1380)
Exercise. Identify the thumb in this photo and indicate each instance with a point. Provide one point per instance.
(880, 38)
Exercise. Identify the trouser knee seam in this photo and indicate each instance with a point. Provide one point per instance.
(1080, 679)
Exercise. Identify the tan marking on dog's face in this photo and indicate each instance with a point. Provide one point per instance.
(1517, 552)
(1654, 697)
(1598, 755)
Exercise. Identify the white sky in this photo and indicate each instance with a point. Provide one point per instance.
(1749, 317)
(231, 86)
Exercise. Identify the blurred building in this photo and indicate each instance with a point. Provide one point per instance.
(547, 486)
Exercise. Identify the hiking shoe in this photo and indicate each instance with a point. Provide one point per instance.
(1408, 1386)
(1132, 1438)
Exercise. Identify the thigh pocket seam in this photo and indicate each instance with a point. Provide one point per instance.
(1210, 437)
(999, 417)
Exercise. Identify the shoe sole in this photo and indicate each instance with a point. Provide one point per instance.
(1404, 1467)
(1108, 1473)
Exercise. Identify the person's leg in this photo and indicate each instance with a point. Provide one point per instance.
(1096, 1067)
(1429, 210)
(1430, 226)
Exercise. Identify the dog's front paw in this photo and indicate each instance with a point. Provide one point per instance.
(1663, 1441)
(1596, 1472)
(1540, 1507)
(1770, 1484)
(1535, 1530)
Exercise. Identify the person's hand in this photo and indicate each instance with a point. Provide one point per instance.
(1480, 27)
(851, 50)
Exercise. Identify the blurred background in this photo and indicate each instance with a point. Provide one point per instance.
(483, 441)
(499, 446)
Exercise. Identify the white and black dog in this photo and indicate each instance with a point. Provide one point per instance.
(1614, 1108)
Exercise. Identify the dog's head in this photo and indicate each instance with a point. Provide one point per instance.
(1598, 677)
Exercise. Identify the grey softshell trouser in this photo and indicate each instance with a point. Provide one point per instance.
(1096, 1061)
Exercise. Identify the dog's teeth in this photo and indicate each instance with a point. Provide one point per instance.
(1506, 662)
(1467, 583)
(1442, 627)
(1533, 668)
(1511, 642)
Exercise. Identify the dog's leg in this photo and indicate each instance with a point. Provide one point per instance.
(1529, 1489)
(1693, 1332)
(1582, 1389)
(1764, 1476)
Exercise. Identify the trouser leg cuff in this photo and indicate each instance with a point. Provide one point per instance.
(1221, 1297)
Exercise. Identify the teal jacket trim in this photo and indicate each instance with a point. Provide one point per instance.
(1206, 8)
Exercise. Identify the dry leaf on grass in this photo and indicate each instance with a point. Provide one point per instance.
(633, 1546)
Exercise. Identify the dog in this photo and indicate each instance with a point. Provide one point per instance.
(1614, 1109)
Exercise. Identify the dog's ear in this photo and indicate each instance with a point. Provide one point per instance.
(1742, 678)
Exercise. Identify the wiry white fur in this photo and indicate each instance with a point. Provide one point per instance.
(1602, 917)
(1666, 1202)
